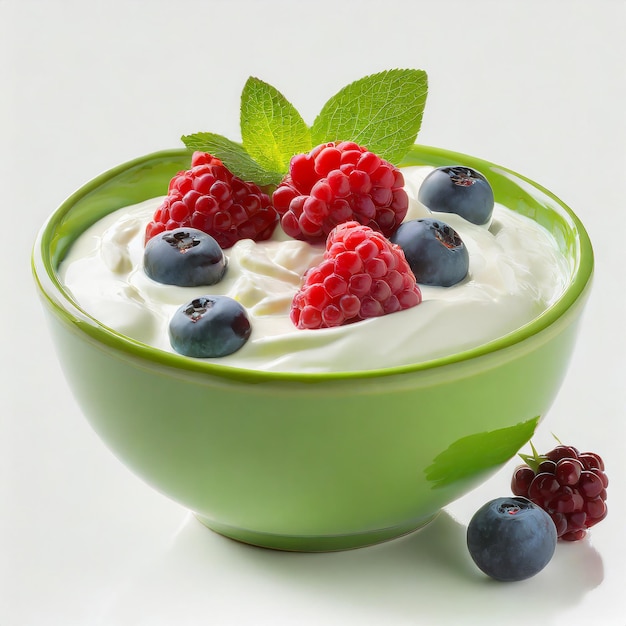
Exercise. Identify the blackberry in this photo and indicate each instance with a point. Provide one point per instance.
(569, 485)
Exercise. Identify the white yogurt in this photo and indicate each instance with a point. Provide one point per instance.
(516, 272)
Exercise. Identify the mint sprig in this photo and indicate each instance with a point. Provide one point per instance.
(382, 112)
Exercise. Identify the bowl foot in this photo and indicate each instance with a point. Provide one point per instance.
(309, 543)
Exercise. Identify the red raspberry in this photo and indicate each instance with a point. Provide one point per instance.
(336, 183)
(569, 485)
(362, 275)
(211, 198)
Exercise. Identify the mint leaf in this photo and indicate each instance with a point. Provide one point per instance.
(382, 112)
(234, 157)
(471, 455)
(271, 128)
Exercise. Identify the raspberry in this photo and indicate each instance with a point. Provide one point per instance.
(212, 199)
(361, 275)
(569, 485)
(339, 182)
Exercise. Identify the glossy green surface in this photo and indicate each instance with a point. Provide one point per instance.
(310, 461)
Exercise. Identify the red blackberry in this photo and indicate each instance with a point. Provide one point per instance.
(569, 485)
(336, 183)
(211, 198)
(362, 275)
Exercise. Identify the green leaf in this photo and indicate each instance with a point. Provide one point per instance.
(533, 460)
(382, 112)
(271, 128)
(474, 454)
(234, 157)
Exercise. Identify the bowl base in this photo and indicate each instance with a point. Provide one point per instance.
(311, 543)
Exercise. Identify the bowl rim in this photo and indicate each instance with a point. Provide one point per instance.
(50, 287)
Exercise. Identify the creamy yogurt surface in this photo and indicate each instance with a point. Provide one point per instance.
(515, 273)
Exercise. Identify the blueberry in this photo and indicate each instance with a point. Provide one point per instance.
(511, 538)
(458, 189)
(209, 326)
(186, 257)
(433, 250)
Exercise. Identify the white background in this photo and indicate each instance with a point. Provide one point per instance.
(537, 86)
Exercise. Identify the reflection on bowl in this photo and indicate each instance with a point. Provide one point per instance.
(310, 461)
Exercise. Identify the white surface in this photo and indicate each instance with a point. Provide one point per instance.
(536, 86)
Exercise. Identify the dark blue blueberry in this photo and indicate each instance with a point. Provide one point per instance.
(511, 538)
(458, 189)
(186, 257)
(434, 251)
(209, 326)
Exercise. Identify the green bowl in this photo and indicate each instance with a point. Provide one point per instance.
(311, 462)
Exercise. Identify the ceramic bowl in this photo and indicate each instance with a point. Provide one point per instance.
(311, 462)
